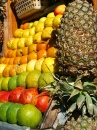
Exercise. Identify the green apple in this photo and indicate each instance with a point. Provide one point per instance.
(57, 21)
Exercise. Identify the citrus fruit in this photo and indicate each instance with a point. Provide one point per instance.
(42, 53)
(1, 78)
(45, 79)
(21, 68)
(31, 64)
(4, 84)
(32, 79)
(12, 83)
(29, 115)
(2, 66)
(3, 109)
(11, 113)
(21, 79)
(38, 64)
(48, 64)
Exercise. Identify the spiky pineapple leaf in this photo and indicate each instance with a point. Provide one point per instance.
(71, 108)
(89, 103)
(84, 109)
(95, 109)
(80, 100)
(88, 86)
(75, 92)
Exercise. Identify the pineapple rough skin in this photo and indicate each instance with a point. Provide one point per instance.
(76, 39)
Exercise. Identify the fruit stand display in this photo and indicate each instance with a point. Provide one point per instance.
(48, 77)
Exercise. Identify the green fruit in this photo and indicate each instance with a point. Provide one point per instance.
(29, 115)
(3, 109)
(1, 78)
(45, 79)
(11, 113)
(32, 79)
(12, 83)
(21, 79)
(4, 84)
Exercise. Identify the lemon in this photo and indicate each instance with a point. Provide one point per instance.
(3, 109)
(45, 79)
(21, 79)
(32, 79)
(11, 113)
(29, 115)
(12, 83)
(4, 84)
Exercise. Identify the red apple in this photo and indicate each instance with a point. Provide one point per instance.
(27, 96)
(15, 94)
(59, 9)
(4, 95)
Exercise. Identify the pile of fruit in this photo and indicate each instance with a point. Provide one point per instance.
(71, 64)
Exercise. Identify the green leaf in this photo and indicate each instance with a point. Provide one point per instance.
(71, 108)
(78, 84)
(89, 103)
(89, 86)
(80, 100)
(75, 92)
(84, 109)
(95, 109)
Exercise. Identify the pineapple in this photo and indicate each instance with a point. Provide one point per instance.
(77, 40)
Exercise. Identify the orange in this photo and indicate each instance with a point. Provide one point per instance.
(6, 71)
(23, 59)
(25, 51)
(11, 61)
(13, 54)
(25, 25)
(6, 53)
(51, 52)
(2, 60)
(28, 115)
(16, 60)
(9, 53)
(41, 45)
(41, 54)
(12, 70)
(21, 26)
(21, 68)
(31, 48)
(6, 61)
(32, 55)
(19, 52)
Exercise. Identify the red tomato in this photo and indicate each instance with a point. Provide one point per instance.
(43, 103)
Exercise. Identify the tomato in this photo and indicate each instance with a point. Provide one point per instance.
(43, 103)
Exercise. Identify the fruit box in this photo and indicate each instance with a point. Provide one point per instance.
(25, 8)
(53, 119)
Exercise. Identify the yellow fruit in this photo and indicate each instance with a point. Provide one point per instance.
(30, 25)
(48, 64)
(46, 33)
(57, 20)
(21, 68)
(4, 84)
(51, 14)
(14, 43)
(35, 23)
(45, 79)
(31, 64)
(2, 66)
(6, 70)
(21, 43)
(42, 19)
(38, 64)
(10, 42)
(21, 79)
(32, 79)
(12, 83)
(32, 31)
(37, 37)
(11, 114)
(25, 33)
(48, 22)
(28, 41)
(18, 33)
(39, 27)
(3, 109)
(29, 115)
